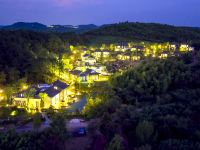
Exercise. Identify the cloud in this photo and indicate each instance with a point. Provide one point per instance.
(68, 3)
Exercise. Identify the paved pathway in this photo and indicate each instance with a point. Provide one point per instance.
(79, 105)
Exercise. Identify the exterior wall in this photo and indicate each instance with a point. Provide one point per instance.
(64, 99)
(121, 48)
(90, 61)
(101, 69)
(92, 78)
(47, 103)
(32, 104)
(89, 78)
(20, 102)
(163, 56)
(172, 47)
(55, 101)
(35, 104)
(135, 57)
(185, 48)
(58, 101)
(106, 54)
(97, 54)
(74, 78)
(123, 57)
(83, 78)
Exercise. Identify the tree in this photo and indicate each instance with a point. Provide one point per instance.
(2, 77)
(42, 96)
(21, 84)
(13, 75)
(29, 94)
(55, 43)
(144, 131)
(9, 92)
(116, 143)
(50, 112)
(58, 125)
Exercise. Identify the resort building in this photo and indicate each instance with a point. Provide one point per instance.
(87, 76)
(43, 96)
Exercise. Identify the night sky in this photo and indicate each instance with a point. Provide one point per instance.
(175, 12)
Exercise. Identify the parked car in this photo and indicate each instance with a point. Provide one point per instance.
(79, 132)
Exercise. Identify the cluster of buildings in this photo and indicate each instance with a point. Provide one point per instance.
(125, 51)
(90, 66)
(133, 52)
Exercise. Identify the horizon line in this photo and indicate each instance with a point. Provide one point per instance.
(99, 24)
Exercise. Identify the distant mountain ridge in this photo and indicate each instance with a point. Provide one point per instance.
(110, 33)
(71, 28)
(26, 26)
(38, 27)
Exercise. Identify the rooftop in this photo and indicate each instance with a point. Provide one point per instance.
(51, 90)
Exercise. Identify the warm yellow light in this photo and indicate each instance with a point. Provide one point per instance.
(71, 47)
(1, 91)
(13, 113)
(25, 87)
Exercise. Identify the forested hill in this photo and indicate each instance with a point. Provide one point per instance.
(148, 32)
(92, 34)
(38, 27)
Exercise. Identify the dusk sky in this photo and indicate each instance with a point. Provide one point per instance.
(175, 12)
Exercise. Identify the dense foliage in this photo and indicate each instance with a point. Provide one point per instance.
(152, 106)
(159, 106)
(29, 54)
(148, 32)
(153, 79)
(49, 139)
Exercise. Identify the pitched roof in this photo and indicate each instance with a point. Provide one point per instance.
(51, 90)
(75, 72)
(106, 50)
(165, 52)
(32, 91)
(97, 50)
(89, 72)
(86, 55)
(138, 47)
(122, 44)
(60, 84)
(56, 88)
